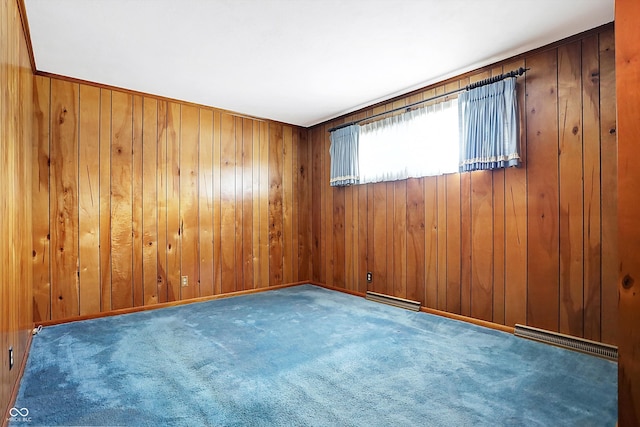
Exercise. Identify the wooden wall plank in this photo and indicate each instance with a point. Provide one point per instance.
(205, 202)
(482, 245)
(138, 196)
(239, 236)
(173, 201)
(265, 141)
(163, 186)
(379, 238)
(275, 204)
(247, 204)
(149, 197)
(571, 196)
(121, 201)
(217, 203)
(256, 204)
(627, 80)
(543, 207)
(64, 199)
(498, 247)
(89, 199)
(316, 191)
(328, 226)
(40, 200)
(442, 243)
(304, 207)
(287, 204)
(591, 187)
(362, 248)
(189, 225)
(431, 241)
(399, 239)
(337, 257)
(415, 276)
(609, 189)
(105, 199)
(228, 203)
(453, 252)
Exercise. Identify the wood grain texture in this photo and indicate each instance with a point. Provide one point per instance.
(121, 201)
(40, 200)
(205, 203)
(173, 201)
(105, 199)
(189, 224)
(609, 188)
(592, 250)
(228, 203)
(137, 233)
(24, 156)
(627, 81)
(64, 199)
(177, 190)
(275, 204)
(150, 202)
(571, 191)
(89, 200)
(542, 203)
(161, 180)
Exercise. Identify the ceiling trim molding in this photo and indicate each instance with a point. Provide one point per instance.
(22, 9)
(159, 98)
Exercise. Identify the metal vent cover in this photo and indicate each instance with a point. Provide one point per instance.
(394, 301)
(567, 341)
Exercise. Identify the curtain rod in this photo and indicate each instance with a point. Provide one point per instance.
(520, 71)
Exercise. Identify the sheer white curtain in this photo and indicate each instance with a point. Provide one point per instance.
(422, 142)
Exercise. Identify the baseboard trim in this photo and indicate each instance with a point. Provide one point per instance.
(16, 385)
(593, 348)
(164, 305)
(484, 323)
(423, 309)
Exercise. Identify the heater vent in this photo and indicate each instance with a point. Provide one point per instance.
(572, 343)
(394, 301)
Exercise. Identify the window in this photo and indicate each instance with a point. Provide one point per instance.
(478, 131)
(421, 142)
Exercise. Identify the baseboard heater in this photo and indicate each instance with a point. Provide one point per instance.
(567, 341)
(394, 301)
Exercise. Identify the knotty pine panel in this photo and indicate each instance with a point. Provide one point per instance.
(22, 115)
(141, 191)
(627, 80)
(520, 245)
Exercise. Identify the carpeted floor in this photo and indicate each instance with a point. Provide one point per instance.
(306, 356)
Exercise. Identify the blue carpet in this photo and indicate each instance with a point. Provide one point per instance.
(306, 356)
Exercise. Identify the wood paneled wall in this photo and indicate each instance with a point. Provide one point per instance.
(534, 245)
(134, 192)
(16, 83)
(628, 95)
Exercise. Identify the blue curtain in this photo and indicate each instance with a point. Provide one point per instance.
(344, 156)
(488, 120)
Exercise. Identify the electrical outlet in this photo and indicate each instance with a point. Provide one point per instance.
(369, 277)
(10, 358)
(184, 281)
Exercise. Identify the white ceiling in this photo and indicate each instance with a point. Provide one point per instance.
(296, 61)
